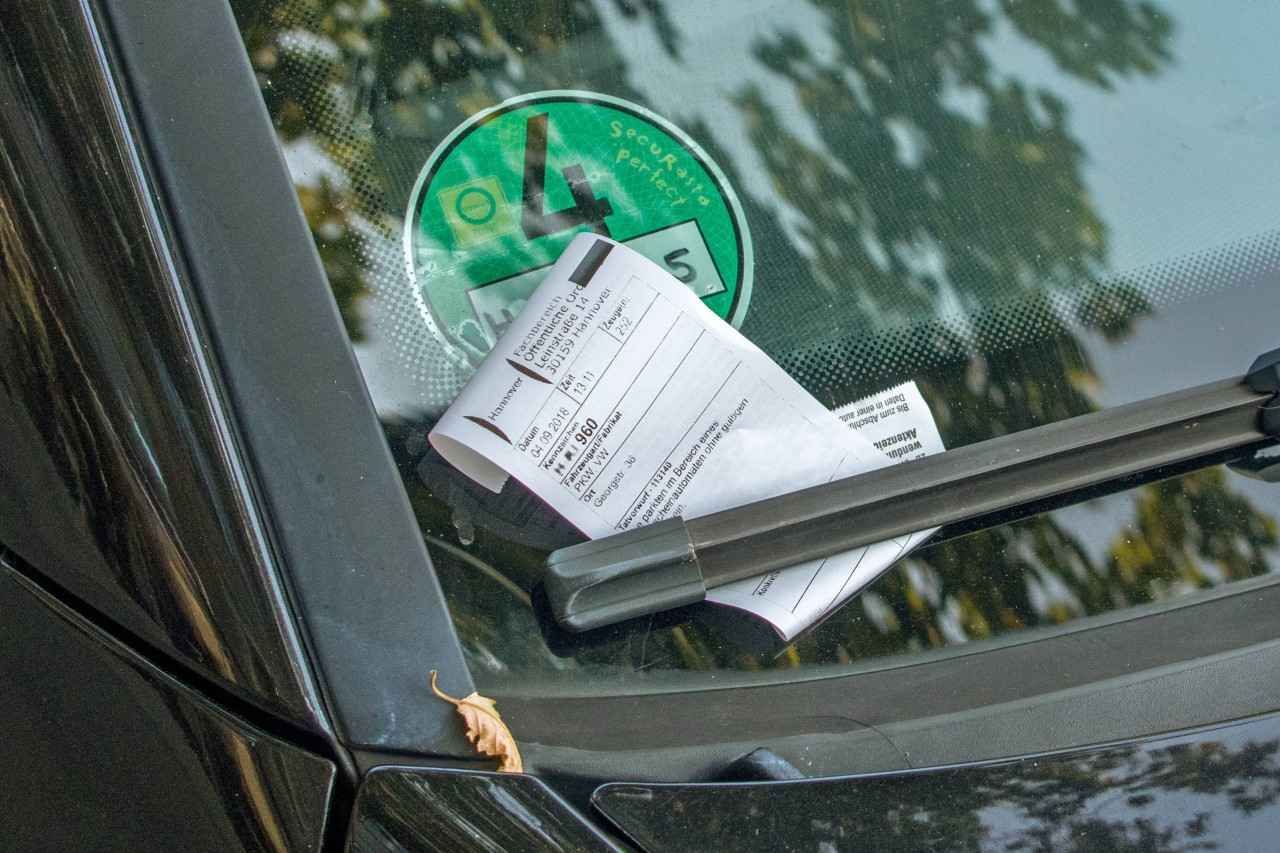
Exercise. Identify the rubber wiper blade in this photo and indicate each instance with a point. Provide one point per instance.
(673, 562)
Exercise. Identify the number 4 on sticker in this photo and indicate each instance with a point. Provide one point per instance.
(535, 220)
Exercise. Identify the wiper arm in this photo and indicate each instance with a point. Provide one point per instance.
(674, 562)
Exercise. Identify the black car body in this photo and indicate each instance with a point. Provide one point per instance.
(218, 611)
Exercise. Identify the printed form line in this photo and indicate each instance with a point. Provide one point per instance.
(599, 381)
(622, 345)
(648, 408)
(632, 506)
(595, 444)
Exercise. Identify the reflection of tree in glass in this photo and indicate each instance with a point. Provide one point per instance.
(1061, 797)
(342, 78)
(1189, 793)
(937, 188)
(933, 195)
(1182, 527)
(309, 60)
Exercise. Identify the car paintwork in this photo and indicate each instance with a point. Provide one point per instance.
(414, 808)
(103, 750)
(120, 478)
(128, 503)
(1214, 788)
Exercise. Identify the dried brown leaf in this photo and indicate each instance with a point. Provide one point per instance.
(485, 728)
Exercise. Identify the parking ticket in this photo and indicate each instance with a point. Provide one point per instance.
(899, 424)
(619, 399)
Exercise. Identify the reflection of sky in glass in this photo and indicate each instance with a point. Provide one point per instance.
(715, 64)
(1175, 166)
(1170, 808)
(1176, 162)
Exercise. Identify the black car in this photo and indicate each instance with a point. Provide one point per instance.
(250, 250)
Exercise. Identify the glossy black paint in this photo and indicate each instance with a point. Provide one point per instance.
(351, 554)
(1213, 789)
(101, 750)
(412, 809)
(105, 397)
(118, 479)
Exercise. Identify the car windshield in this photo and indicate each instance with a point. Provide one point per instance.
(1031, 209)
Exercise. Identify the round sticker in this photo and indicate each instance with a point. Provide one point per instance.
(508, 190)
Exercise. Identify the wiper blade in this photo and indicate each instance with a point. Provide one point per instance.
(674, 562)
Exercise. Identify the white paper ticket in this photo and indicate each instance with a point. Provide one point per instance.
(619, 399)
(901, 427)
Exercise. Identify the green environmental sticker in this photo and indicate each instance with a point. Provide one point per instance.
(508, 190)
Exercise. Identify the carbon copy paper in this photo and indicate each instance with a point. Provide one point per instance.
(619, 399)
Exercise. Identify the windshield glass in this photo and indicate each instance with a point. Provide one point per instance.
(1033, 210)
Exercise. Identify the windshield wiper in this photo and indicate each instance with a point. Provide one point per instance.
(674, 562)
